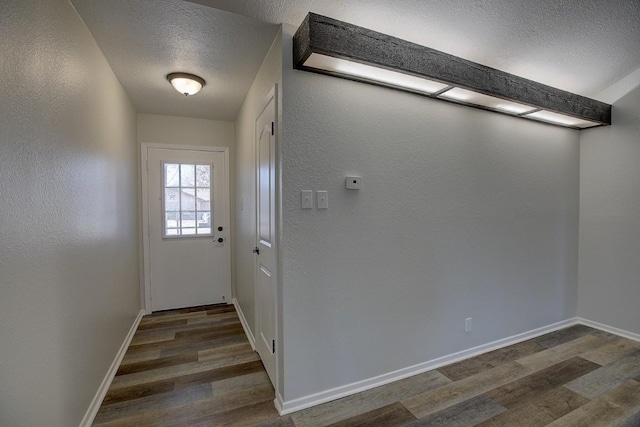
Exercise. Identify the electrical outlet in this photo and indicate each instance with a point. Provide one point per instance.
(467, 324)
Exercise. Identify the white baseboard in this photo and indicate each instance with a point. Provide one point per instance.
(91, 413)
(245, 325)
(285, 407)
(610, 329)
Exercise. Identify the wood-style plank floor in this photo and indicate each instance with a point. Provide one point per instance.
(195, 367)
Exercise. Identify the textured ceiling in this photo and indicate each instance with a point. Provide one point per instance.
(582, 46)
(144, 40)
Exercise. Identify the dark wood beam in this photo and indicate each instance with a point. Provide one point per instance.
(327, 36)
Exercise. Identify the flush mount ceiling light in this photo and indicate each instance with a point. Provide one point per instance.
(328, 46)
(186, 84)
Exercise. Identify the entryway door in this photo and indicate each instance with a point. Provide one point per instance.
(187, 252)
(266, 235)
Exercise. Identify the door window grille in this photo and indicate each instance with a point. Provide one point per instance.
(187, 200)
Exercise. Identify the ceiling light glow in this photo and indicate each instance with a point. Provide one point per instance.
(185, 83)
(367, 72)
(475, 98)
(560, 119)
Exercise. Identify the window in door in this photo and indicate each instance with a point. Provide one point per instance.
(186, 207)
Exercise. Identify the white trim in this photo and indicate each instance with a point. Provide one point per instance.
(92, 411)
(227, 224)
(146, 284)
(287, 407)
(272, 94)
(610, 329)
(278, 402)
(245, 325)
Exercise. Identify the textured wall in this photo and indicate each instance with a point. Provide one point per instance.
(69, 288)
(159, 129)
(269, 74)
(609, 271)
(463, 213)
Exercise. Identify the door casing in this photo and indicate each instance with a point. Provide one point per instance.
(145, 282)
(272, 95)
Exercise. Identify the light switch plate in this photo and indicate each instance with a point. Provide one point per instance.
(307, 199)
(323, 200)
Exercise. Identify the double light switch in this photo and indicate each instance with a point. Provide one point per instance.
(307, 199)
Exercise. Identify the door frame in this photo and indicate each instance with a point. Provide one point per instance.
(275, 95)
(145, 282)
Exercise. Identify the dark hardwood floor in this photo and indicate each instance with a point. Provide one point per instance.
(195, 367)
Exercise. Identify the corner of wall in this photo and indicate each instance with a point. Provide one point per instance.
(609, 204)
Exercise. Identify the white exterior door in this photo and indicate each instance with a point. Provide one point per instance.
(188, 253)
(266, 232)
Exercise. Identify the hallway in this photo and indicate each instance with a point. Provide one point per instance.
(405, 230)
(189, 367)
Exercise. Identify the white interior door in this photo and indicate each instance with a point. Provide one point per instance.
(266, 232)
(189, 257)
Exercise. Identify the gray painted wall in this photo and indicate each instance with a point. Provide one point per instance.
(463, 213)
(157, 129)
(609, 268)
(69, 289)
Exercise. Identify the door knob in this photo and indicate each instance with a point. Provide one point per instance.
(220, 240)
(220, 228)
(256, 250)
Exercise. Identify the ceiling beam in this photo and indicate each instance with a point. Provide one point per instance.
(330, 37)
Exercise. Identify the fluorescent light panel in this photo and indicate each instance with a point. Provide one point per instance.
(396, 79)
(560, 119)
(367, 72)
(475, 98)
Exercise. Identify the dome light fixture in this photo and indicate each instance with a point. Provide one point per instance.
(185, 83)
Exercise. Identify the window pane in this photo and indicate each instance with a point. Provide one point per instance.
(172, 232)
(188, 220)
(188, 200)
(171, 220)
(171, 199)
(203, 176)
(171, 175)
(187, 175)
(204, 199)
(204, 222)
(204, 217)
(188, 231)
